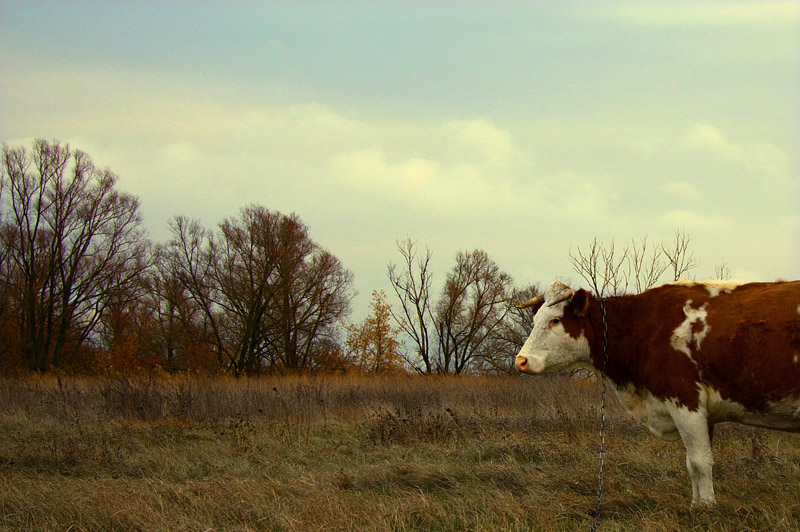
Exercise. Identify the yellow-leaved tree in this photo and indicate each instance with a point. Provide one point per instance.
(372, 344)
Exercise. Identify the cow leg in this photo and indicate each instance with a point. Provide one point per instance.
(694, 430)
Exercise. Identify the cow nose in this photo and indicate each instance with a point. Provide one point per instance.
(521, 363)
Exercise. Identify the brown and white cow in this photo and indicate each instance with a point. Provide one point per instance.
(682, 357)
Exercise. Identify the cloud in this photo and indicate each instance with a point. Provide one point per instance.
(493, 143)
(420, 182)
(371, 168)
(197, 146)
(707, 136)
(523, 184)
(693, 221)
(756, 155)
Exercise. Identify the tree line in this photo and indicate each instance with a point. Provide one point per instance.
(85, 289)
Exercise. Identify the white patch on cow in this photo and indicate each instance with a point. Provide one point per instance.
(719, 409)
(716, 287)
(649, 410)
(798, 309)
(669, 421)
(683, 336)
(795, 359)
(682, 282)
(693, 429)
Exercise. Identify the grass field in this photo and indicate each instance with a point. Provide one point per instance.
(363, 454)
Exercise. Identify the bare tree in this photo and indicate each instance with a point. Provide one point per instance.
(123, 327)
(187, 258)
(602, 267)
(312, 298)
(229, 277)
(72, 240)
(472, 307)
(646, 265)
(268, 294)
(245, 255)
(8, 334)
(177, 329)
(638, 266)
(681, 259)
(412, 284)
(722, 272)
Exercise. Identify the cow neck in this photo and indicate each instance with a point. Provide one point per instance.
(618, 309)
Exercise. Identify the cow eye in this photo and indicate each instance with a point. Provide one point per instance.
(555, 321)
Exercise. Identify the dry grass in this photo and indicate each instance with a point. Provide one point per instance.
(362, 454)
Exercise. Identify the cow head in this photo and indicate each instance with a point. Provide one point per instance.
(557, 342)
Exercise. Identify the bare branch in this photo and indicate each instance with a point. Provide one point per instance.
(602, 267)
(73, 241)
(638, 267)
(722, 272)
(681, 259)
(411, 285)
(473, 305)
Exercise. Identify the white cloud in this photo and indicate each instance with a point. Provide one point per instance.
(756, 155)
(769, 158)
(707, 136)
(445, 189)
(197, 147)
(693, 221)
(493, 143)
(370, 168)
(201, 148)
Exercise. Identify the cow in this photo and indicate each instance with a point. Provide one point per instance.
(681, 357)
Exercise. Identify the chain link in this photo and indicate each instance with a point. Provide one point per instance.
(602, 419)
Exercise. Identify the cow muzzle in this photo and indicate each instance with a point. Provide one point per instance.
(521, 365)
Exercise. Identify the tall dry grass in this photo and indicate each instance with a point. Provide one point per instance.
(362, 454)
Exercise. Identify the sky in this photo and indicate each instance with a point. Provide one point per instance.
(525, 129)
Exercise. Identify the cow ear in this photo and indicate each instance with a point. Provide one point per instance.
(580, 303)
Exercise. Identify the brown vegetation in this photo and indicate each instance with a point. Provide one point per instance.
(85, 291)
(351, 453)
(373, 344)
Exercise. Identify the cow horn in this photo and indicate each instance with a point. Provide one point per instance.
(531, 302)
(566, 296)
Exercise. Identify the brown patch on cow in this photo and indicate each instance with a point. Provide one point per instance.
(749, 351)
(747, 354)
(639, 332)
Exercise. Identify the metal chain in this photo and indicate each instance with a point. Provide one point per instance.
(602, 419)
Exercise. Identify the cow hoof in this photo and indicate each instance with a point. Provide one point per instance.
(703, 504)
